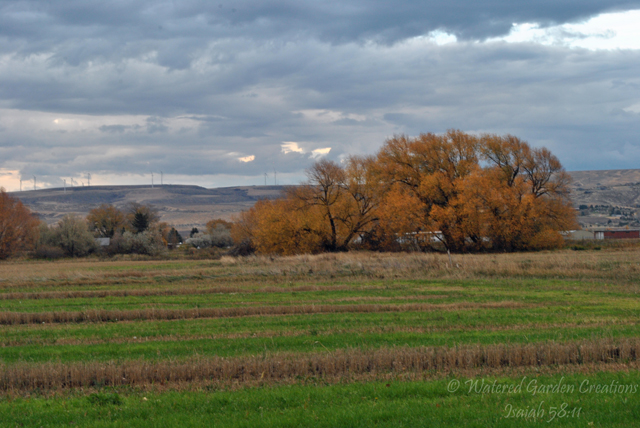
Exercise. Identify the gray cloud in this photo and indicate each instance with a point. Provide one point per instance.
(191, 87)
(334, 21)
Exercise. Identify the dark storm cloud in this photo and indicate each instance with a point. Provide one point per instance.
(333, 20)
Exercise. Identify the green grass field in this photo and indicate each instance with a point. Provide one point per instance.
(321, 310)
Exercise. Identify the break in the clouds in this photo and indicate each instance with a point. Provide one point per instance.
(224, 93)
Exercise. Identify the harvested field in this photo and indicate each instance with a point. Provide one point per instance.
(91, 326)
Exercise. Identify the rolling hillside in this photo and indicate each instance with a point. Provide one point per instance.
(618, 188)
(192, 206)
(182, 206)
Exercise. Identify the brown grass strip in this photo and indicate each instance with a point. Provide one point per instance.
(278, 367)
(74, 294)
(102, 315)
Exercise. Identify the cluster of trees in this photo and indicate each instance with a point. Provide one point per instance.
(217, 234)
(136, 229)
(455, 192)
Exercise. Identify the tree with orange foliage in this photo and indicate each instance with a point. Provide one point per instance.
(18, 227)
(524, 193)
(426, 172)
(455, 191)
(437, 189)
(106, 220)
(340, 203)
(275, 227)
(322, 193)
(336, 205)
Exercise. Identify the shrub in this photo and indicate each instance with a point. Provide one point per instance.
(71, 235)
(148, 242)
(199, 240)
(221, 236)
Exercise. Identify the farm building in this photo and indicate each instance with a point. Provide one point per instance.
(103, 242)
(617, 234)
(579, 235)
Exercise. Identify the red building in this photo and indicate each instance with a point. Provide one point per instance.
(617, 234)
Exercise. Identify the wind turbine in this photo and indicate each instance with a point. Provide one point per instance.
(34, 182)
(152, 180)
(265, 178)
(88, 179)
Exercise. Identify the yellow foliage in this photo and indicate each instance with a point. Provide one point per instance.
(455, 191)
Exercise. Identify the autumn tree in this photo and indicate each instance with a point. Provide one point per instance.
(106, 220)
(18, 227)
(276, 227)
(244, 230)
(426, 173)
(359, 208)
(454, 191)
(339, 202)
(322, 193)
(524, 194)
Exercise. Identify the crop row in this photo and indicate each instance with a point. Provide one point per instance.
(101, 315)
(278, 367)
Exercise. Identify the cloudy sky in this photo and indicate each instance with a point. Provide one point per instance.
(218, 94)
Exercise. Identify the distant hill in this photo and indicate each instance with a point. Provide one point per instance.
(182, 206)
(619, 188)
(192, 206)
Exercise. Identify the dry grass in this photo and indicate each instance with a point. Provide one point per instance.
(176, 291)
(613, 264)
(101, 315)
(617, 264)
(279, 367)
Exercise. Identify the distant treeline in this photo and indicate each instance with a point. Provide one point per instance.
(135, 230)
